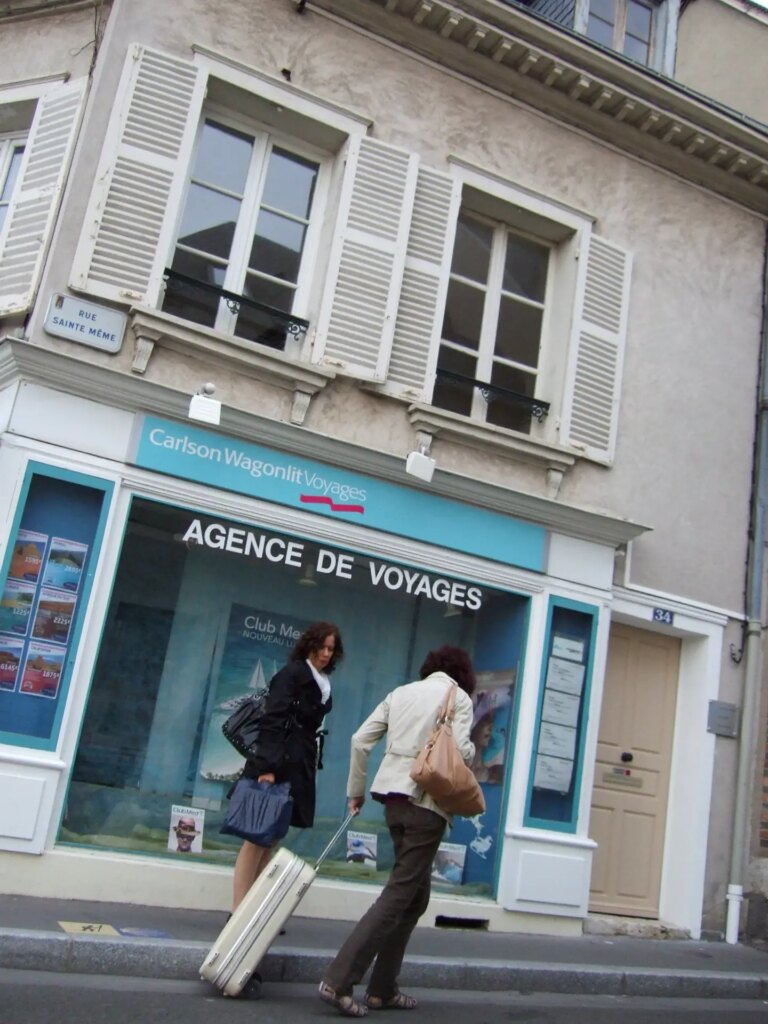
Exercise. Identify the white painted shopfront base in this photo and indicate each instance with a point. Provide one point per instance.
(79, 875)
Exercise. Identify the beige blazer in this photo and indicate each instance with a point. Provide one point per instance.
(407, 715)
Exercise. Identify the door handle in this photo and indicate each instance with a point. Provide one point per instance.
(627, 758)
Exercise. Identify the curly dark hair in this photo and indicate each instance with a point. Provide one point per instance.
(313, 638)
(455, 662)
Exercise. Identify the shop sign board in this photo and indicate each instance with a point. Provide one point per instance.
(190, 453)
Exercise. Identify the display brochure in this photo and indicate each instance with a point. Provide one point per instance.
(490, 723)
(53, 618)
(562, 708)
(448, 865)
(566, 676)
(362, 848)
(185, 832)
(566, 647)
(256, 644)
(16, 607)
(28, 554)
(42, 670)
(554, 773)
(10, 660)
(64, 568)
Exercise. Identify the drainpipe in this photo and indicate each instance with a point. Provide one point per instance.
(750, 709)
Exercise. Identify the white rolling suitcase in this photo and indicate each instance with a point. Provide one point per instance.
(257, 922)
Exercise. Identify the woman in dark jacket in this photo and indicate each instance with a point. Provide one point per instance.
(299, 699)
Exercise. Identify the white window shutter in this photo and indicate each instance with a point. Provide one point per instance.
(357, 317)
(425, 282)
(127, 233)
(32, 211)
(593, 382)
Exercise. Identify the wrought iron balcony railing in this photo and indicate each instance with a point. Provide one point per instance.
(184, 285)
(535, 406)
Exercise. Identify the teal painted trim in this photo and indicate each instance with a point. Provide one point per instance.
(512, 748)
(593, 611)
(227, 463)
(107, 488)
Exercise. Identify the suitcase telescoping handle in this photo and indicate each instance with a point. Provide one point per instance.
(337, 835)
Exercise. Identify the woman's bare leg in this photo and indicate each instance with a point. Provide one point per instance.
(251, 861)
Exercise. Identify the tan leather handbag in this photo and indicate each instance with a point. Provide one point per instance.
(440, 770)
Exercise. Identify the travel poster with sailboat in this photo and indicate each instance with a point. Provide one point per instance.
(256, 645)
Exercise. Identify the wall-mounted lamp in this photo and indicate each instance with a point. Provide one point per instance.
(205, 408)
(419, 463)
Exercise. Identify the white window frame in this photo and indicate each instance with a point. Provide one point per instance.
(10, 142)
(620, 26)
(265, 138)
(563, 229)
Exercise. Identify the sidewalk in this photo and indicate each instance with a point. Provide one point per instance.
(163, 943)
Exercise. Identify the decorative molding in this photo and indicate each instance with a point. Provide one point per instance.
(537, 62)
(21, 360)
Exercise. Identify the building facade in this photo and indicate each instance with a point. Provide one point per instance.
(251, 260)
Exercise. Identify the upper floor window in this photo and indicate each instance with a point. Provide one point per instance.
(11, 152)
(624, 25)
(249, 209)
(492, 327)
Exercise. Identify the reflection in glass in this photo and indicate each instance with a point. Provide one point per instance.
(525, 268)
(454, 395)
(636, 49)
(199, 306)
(6, 188)
(638, 20)
(472, 249)
(519, 332)
(463, 314)
(504, 411)
(209, 221)
(223, 157)
(600, 31)
(290, 183)
(277, 246)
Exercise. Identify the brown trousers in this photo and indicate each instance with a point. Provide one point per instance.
(383, 932)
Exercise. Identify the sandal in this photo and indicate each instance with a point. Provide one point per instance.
(399, 1001)
(346, 1005)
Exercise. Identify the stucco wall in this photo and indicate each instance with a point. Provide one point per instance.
(684, 453)
(721, 52)
(34, 46)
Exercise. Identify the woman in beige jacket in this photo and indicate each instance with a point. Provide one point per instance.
(416, 824)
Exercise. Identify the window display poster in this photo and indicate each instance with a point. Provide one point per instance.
(16, 606)
(27, 557)
(448, 865)
(490, 724)
(362, 848)
(42, 670)
(185, 833)
(257, 643)
(11, 651)
(64, 568)
(53, 618)
(54, 505)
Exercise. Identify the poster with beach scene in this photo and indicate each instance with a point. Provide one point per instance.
(10, 660)
(448, 865)
(53, 618)
(28, 554)
(16, 606)
(256, 645)
(64, 568)
(42, 670)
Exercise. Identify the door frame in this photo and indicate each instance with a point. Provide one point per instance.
(701, 631)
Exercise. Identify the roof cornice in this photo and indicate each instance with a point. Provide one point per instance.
(556, 71)
(21, 361)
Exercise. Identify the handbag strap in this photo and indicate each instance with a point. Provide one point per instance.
(448, 707)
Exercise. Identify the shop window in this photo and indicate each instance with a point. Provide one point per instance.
(46, 582)
(554, 785)
(238, 263)
(490, 348)
(192, 625)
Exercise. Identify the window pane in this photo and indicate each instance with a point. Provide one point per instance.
(525, 268)
(209, 221)
(199, 306)
(12, 175)
(277, 246)
(639, 21)
(600, 31)
(270, 292)
(472, 249)
(3, 211)
(505, 412)
(223, 157)
(252, 324)
(454, 396)
(603, 9)
(290, 183)
(463, 314)
(519, 332)
(636, 49)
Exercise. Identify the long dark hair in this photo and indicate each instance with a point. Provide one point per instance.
(455, 662)
(313, 638)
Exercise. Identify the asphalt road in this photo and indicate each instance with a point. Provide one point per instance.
(38, 997)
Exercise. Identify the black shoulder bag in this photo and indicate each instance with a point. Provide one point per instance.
(242, 726)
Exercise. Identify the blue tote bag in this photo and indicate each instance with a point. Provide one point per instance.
(259, 811)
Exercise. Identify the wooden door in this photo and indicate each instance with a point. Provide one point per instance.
(634, 753)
